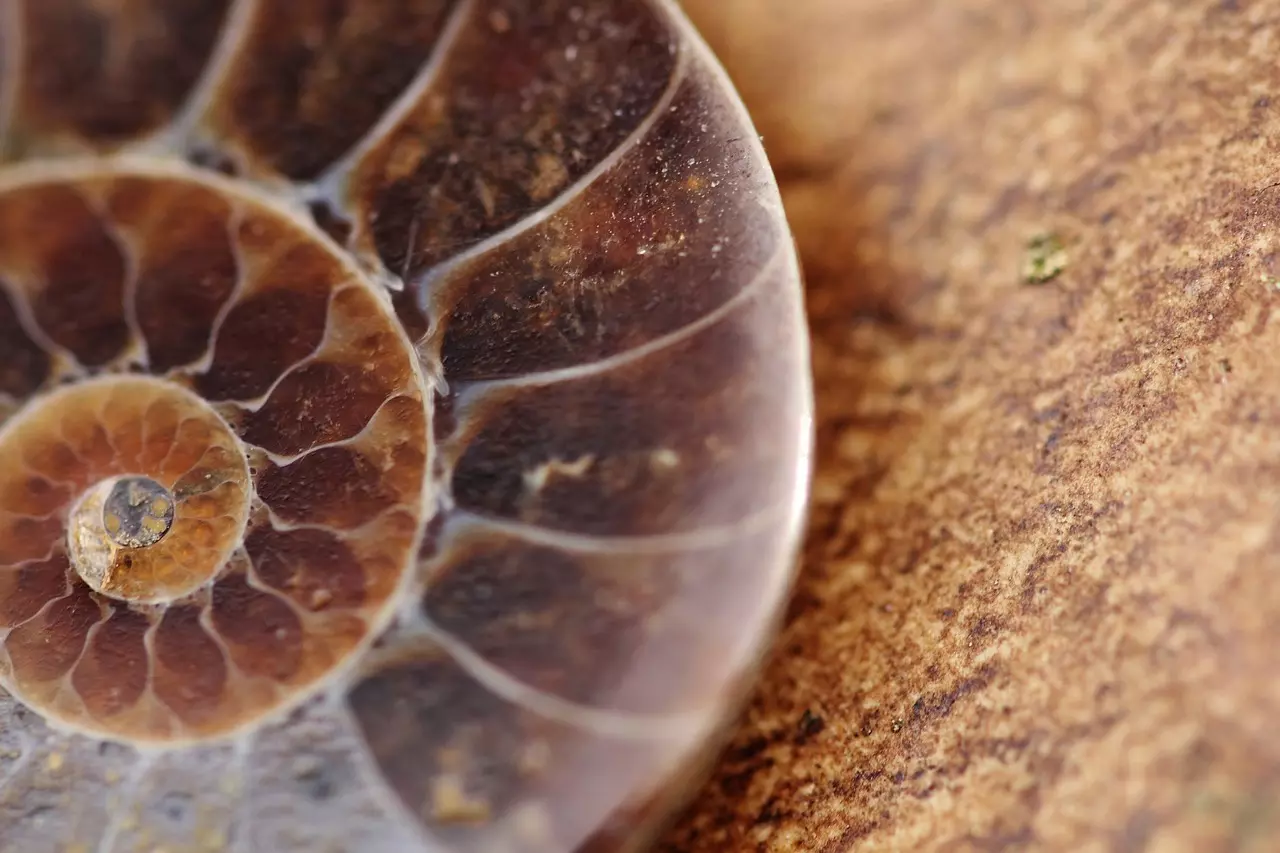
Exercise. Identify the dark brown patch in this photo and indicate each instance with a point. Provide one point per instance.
(190, 672)
(635, 633)
(105, 74)
(701, 432)
(519, 112)
(113, 672)
(186, 267)
(685, 232)
(263, 336)
(428, 722)
(25, 589)
(25, 539)
(337, 226)
(466, 762)
(34, 495)
(263, 634)
(312, 78)
(52, 459)
(309, 566)
(316, 404)
(48, 645)
(76, 271)
(24, 366)
(543, 616)
(334, 486)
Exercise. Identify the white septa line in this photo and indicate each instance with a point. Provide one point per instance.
(43, 611)
(659, 544)
(58, 514)
(55, 547)
(337, 680)
(360, 531)
(131, 253)
(254, 404)
(469, 391)
(177, 136)
(362, 437)
(770, 196)
(204, 599)
(331, 185)
(65, 688)
(473, 394)
(427, 280)
(307, 619)
(378, 789)
(26, 316)
(202, 363)
(612, 724)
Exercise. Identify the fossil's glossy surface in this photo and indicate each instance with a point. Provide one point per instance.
(404, 422)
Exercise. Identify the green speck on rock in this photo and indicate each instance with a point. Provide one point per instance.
(1044, 260)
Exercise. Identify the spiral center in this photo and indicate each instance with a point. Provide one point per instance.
(137, 512)
(144, 484)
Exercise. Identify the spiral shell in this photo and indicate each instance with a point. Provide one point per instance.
(404, 422)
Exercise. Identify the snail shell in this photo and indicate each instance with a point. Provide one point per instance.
(404, 422)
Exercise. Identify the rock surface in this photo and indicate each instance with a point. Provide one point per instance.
(1039, 608)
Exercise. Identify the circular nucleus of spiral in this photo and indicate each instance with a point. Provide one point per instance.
(404, 423)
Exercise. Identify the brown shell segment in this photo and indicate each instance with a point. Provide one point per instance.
(42, 650)
(281, 308)
(27, 587)
(96, 74)
(615, 628)
(189, 674)
(483, 774)
(61, 257)
(685, 234)
(348, 485)
(341, 387)
(262, 634)
(179, 237)
(308, 80)
(24, 364)
(111, 675)
(529, 98)
(316, 568)
(634, 447)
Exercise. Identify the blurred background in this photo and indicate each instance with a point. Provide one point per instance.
(1038, 607)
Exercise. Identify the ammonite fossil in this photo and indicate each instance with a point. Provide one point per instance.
(405, 422)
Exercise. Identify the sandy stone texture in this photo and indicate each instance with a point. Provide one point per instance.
(1040, 602)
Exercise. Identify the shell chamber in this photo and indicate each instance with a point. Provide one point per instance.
(404, 422)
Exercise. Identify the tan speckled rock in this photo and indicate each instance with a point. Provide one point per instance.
(1041, 602)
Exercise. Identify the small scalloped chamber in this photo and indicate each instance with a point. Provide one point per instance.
(404, 422)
